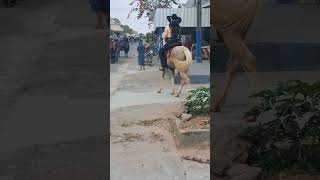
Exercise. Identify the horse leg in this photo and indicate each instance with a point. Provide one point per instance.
(116, 56)
(249, 65)
(162, 73)
(172, 81)
(231, 72)
(239, 52)
(184, 80)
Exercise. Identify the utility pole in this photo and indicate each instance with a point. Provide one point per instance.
(160, 29)
(199, 33)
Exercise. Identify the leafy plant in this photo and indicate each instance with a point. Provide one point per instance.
(198, 101)
(151, 39)
(290, 140)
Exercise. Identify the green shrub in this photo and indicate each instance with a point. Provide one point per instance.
(151, 39)
(290, 141)
(198, 101)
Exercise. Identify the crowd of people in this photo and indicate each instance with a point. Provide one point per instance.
(143, 48)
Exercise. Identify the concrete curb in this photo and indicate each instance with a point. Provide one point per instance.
(190, 138)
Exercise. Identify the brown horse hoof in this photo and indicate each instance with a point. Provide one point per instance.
(250, 119)
(159, 91)
(177, 95)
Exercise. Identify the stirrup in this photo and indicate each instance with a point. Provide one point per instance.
(162, 69)
(170, 68)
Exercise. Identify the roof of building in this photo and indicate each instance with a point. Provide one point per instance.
(188, 16)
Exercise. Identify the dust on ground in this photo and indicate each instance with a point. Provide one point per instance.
(197, 122)
(145, 131)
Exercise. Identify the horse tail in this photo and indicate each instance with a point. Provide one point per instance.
(188, 56)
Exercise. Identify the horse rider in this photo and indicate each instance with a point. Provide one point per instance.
(171, 37)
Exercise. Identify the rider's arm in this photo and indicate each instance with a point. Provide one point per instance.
(164, 35)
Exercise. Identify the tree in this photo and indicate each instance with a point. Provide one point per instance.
(127, 29)
(148, 7)
(151, 39)
(116, 20)
(141, 35)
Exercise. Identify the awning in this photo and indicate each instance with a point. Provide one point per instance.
(188, 16)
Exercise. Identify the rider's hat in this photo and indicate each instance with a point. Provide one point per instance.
(174, 18)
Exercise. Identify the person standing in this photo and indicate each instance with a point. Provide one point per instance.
(141, 52)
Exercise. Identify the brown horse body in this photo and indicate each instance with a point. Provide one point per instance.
(232, 20)
(179, 58)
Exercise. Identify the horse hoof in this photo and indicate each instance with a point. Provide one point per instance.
(159, 91)
(172, 93)
(177, 95)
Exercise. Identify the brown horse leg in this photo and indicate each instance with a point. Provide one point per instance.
(250, 68)
(172, 81)
(239, 54)
(249, 65)
(184, 80)
(161, 81)
(231, 72)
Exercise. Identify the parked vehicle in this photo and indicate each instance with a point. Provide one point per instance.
(150, 55)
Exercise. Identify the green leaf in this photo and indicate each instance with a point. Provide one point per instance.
(254, 111)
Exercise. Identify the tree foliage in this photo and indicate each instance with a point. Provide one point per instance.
(127, 29)
(198, 101)
(116, 20)
(151, 39)
(148, 7)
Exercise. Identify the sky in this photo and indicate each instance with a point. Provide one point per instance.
(120, 8)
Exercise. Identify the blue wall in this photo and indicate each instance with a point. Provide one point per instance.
(274, 57)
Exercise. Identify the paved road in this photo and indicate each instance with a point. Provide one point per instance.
(130, 87)
(133, 98)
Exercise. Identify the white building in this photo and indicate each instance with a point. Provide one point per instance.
(188, 14)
